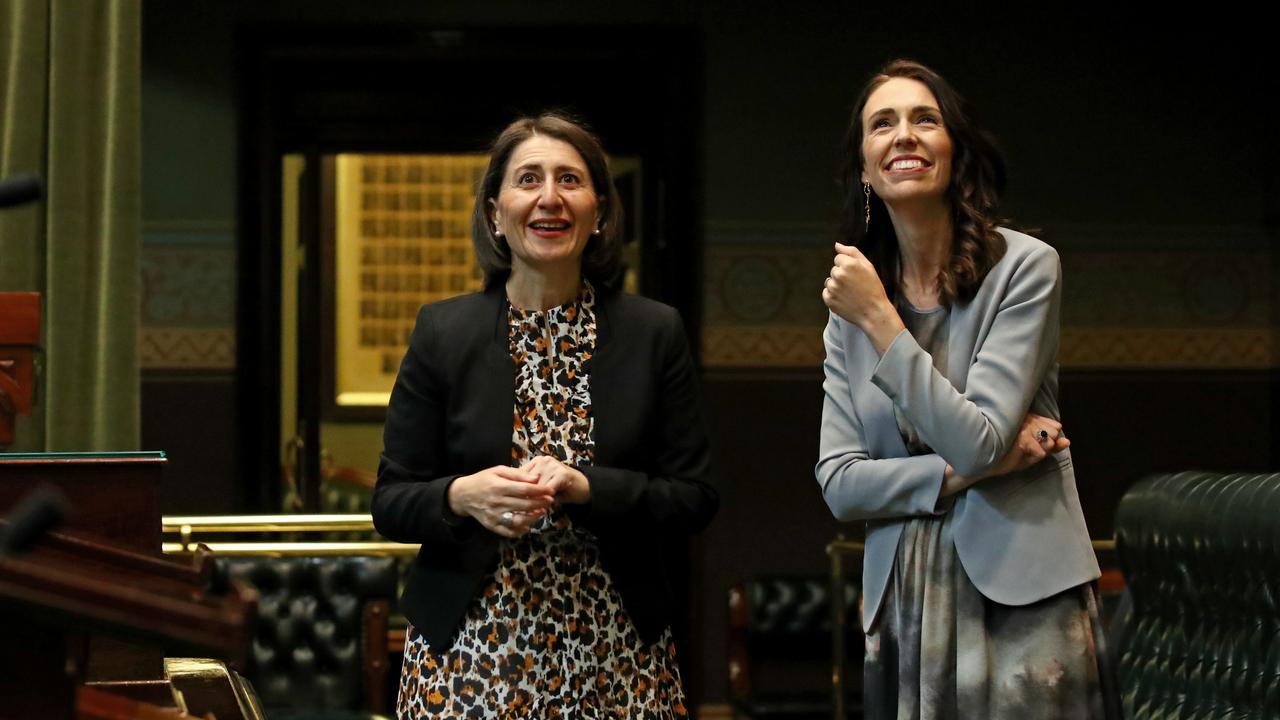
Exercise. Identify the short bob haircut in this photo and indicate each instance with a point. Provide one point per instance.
(977, 183)
(602, 257)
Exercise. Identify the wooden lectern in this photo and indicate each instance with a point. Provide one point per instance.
(67, 592)
(19, 336)
(89, 613)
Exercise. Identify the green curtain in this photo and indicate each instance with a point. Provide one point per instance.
(71, 87)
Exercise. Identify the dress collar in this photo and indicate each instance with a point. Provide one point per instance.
(495, 295)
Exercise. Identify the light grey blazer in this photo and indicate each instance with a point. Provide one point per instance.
(1021, 537)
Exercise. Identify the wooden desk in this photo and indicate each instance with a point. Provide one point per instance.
(96, 604)
(114, 497)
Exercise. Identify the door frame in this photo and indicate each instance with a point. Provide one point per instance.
(321, 90)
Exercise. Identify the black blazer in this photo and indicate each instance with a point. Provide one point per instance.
(450, 415)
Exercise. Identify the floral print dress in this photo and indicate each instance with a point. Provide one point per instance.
(939, 650)
(547, 636)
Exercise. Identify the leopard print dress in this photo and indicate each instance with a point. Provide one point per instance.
(547, 636)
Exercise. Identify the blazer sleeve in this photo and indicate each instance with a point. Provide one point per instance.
(974, 429)
(855, 485)
(409, 500)
(676, 492)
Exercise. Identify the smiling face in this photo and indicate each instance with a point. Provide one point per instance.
(906, 150)
(547, 206)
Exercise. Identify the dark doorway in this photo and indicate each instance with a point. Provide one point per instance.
(393, 89)
(316, 93)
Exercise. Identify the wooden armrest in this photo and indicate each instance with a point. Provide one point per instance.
(739, 662)
(376, 651)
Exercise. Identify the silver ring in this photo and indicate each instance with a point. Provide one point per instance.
(1042, 435)
(507, 517)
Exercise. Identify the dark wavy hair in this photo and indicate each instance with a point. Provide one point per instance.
(602, 257)
(977, 182)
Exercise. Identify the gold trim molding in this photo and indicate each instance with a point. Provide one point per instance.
(1168, 348)
(737, 347)
(770, 346)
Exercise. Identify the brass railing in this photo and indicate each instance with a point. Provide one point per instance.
(190, 528)
(838, 549)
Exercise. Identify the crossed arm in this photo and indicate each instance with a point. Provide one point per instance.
(982, 432)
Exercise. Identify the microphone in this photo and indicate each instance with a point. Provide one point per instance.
(19, 189)
(40, 511)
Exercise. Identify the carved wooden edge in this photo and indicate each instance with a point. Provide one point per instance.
(196, 570)
(376, 613)
(91, 586)
(91, 603)
(94, 703)
(54, 460)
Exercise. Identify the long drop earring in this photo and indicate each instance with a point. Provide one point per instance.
(866, 213)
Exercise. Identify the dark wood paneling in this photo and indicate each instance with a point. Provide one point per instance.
(764, 435)
(1126, 425)
(191, 418)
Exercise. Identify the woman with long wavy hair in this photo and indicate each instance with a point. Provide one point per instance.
(941, 430)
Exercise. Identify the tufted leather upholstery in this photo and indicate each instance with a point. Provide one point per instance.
(1201, 557)
(780, 645)
(310, 651)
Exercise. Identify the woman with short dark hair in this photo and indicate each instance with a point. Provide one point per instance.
(941, 429)
(602, 257)
(544, 441)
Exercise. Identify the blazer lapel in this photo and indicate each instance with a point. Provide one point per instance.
(494, 382)
(959, 345)
(608, 376)
(963, 326)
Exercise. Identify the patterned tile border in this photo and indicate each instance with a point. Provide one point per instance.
(187, 348)
(1168, 349)
(1133, 297)
(769, 346)
(738, 347)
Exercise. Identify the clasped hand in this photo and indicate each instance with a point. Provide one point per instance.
(854, 292)
(1038, 438)
(508, 501)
